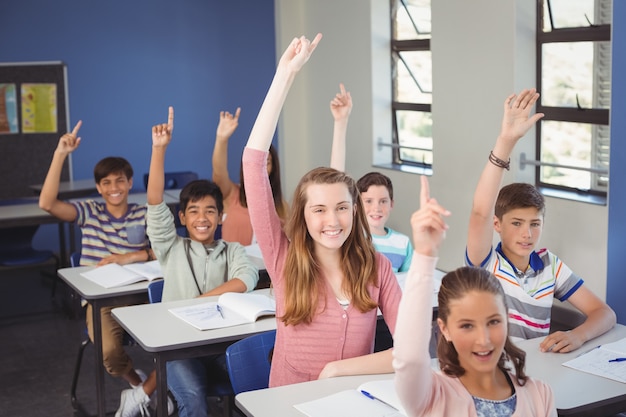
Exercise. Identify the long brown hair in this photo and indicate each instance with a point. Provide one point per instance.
(455, 285)
(277, 190)
(303, 286)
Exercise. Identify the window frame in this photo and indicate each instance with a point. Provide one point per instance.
(592, 116)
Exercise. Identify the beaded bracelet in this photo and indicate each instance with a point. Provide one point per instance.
(500, 163)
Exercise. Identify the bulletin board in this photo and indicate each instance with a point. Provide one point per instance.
(34, 114)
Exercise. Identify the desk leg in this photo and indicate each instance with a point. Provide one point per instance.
(161, 374)
(97, 342)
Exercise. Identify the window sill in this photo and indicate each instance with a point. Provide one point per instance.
(406, 168)
(581, 196)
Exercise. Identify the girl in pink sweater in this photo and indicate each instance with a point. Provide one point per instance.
(328, 280)
(474, 351)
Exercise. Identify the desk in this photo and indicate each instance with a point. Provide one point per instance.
(577, 393)
(71, 189)
(167, 337)
(28, 214)
(100, 297)
(279, 401)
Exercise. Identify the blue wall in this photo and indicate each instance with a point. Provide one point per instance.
(128, 60)
(616, 265)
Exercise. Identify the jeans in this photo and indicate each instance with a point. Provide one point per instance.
(189, 381)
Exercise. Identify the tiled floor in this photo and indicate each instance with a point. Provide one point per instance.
(38, 349)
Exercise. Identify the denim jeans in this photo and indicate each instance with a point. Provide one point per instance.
(189, 380)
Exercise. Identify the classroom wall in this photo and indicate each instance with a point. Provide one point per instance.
(129, 60)
(477, 61)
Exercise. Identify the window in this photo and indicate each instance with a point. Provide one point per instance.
(574, 79)
(411, 68)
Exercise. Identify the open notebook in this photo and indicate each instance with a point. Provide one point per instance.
(370, 399)
(608, 361)
(114, 275)
(231, 309)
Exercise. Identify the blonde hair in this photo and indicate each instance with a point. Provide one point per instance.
(303, 286)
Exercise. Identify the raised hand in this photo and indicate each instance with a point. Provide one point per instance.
(429, 227)
(298, 53)
(228, 124)
(517, 120)
(341, 104)
(162, 133)
(69, 142)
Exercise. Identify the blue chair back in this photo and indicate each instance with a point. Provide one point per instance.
(75, 259)
(155, 291)
(174, 180)
(249, 361)
(16, 247)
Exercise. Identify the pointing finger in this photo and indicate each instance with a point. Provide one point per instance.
(77, 127)
(170, 118)
(342, 88)
(424, 191)
(237, 112)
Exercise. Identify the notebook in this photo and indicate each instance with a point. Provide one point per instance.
(114, 275)
(231, 309)
(370, 399)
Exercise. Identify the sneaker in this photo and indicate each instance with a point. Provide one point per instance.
(170, 403)
(133, 403)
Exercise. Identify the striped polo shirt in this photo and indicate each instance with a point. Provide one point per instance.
(103, 234)
(396, 247)
(529, 295)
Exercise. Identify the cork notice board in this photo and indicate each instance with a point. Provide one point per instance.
(33, 116)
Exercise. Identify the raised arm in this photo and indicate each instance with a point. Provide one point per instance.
(161, 137)
(48, 199)
(340, 107)
(225, 129)
(414, 379)
(515, 123)
(295, 56)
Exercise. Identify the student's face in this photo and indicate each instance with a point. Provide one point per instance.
(377, 205)
(477, 327)
(520, 230)
(201, 219)
(329, 214)
(114, 189)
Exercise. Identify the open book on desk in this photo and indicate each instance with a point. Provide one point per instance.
(231, 309)
(114, 275)
(608, 361)
(370, 399)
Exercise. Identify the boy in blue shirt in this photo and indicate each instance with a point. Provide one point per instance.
(377, 195)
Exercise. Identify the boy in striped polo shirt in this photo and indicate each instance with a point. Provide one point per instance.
(113, 231)
(530, 278)
(377, 195)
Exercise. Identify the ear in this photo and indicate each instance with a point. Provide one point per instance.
(444, 330)
(497, 224)
(391, 205)
(181, 216)
(98, 188)
(130, 183)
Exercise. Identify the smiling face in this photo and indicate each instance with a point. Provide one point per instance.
(520, 230)
(477, 327)
(329, 214)
(201, 219)
(114, 189)
(377, 204)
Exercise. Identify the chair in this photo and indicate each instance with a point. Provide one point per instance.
(16, 251)
(173, 181)
(155, 291)
(249, 361)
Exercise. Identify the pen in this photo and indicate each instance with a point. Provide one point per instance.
(371, 397)
(219, 309)
(617, 360)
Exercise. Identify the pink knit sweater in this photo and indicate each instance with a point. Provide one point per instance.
(302, 351)
(425, 392)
